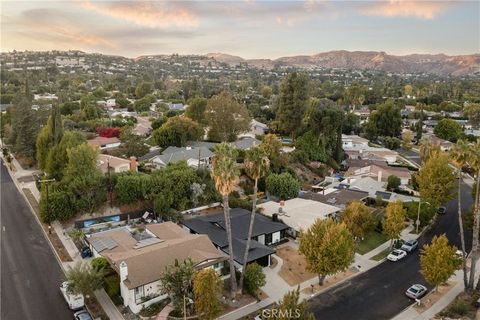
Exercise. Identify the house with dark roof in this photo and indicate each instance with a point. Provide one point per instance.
(193, 156)
(339, 198)
(266, 233)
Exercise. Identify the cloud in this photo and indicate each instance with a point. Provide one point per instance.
(148, 14)
(407, 8)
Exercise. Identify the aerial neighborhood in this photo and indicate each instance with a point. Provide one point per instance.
(187, 187)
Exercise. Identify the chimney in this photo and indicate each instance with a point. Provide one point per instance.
(133, 164)
(380, 176)
(275, 217)
(123, 268)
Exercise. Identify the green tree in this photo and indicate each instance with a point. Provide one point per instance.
(436, 179)
(256, 164)
(328, 248)
(359, 219)
(99, 263)
(176, 281)
(272, 146)
(459, 154)
(142, 89)
(393, 221)
(291, 306)
(225, 174)
(407, 140)
(25, 126)
(292, 102)
(282, 185)
(132, 187)
(196, 110)
(82, 279)
(226, 117)
(448, 129)
(386, 120)
(254, 278)
(176, 132)
(393, 182)
(58, 157)
(49, 136)
(58, 206)
(438, 261)
(207, 286)
(132, 144)
(472, 110)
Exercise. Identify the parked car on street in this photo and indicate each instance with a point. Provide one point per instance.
(74, 301)
(416, 291)
(410, 246)
(82, 315)
(396, 255)
(442, 210)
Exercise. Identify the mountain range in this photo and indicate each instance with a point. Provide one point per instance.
(438, 64)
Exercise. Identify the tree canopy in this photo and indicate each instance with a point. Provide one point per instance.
(448, 129)
(282, 185)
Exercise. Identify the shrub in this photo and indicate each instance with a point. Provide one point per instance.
(254, 278)
(99, 263)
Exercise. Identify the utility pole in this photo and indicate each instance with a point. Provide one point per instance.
(109, 183)
(46, 181)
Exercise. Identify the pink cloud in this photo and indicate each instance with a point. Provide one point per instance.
(149, 14)
(407, 8)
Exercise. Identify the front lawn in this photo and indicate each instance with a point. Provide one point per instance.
(370, 242)
(381, 255)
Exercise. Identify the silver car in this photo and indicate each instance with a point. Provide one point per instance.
(410, 246)
(416, 291)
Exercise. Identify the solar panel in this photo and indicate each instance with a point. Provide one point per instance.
(103, 244)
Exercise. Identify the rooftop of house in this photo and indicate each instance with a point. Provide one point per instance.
(372, 167)
(105, 160)
(101, 141)
(175, 154)
(336, 197)
(299, 213)
(147, 253)
(214, 226)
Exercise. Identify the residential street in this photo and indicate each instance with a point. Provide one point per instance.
(30, 274)
(379, 292)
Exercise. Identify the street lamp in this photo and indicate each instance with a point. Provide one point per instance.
(418, 214)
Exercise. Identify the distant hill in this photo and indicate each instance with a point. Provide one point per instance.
(438, 64)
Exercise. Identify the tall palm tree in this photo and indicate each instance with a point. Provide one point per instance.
(474, 161)
(459, 154)
(225, 175)
(256, 164)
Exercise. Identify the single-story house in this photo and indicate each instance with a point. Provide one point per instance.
(339, 198)
(378, 170)
(356, 147)
(299, 214)
(444, 145)
(353, 141)
(104, 143)
(256, 128)
(193, 156)
(141, 257)
(266, 232)
(116, 164)
(376, 189)
(176, 106)
(143, 127)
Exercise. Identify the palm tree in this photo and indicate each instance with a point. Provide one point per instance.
(256, 164)
(459, 154)
(225, 174)
(474, 161)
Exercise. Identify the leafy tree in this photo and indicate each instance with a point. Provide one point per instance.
(144, 103)
(282, 185)
(132, 187)
(273, 147)
(207, 286)
(473, 112)
(359, 219)
(196, 110)
(58, 205)
(393, 221)
(49, 136)
(142, 89)
(256, 164)
(176, 132)
(351, 125)
(438, 261)
(427, 212)
(386, 120)
(132, 144)
(407, 140)
(311, 147)
(158, 122)
(292, 102)
(393, 182)
(328, 248)
(391, 143)
(99, 263)
(436, 179)
(254, 278)
(84, 280)
(58, 156)
(448, 129)
(291, 306)
(25, 126)
(226, 117)
(176, 281)
(266, 92)
(225, 174)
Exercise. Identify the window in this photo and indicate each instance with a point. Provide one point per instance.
(139, 294)
(268, 238)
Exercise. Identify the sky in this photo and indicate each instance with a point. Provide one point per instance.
(250, 28)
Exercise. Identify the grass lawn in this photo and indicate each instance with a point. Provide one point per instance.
(370, 242)
(381, 255)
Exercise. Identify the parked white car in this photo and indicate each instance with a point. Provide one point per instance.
(396, 255)
(74, 301)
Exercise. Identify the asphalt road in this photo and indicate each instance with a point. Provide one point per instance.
(379, 293)
(30, 274)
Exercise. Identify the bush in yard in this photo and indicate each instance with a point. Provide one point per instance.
(60, 206)
(132, 187)
(99, 263)
(393, 182)
(254, 278)
(283, 185)
(108, 132)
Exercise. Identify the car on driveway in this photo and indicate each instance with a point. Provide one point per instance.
(416, 291)
(410, 246)
(442, 210)
(396, 255)
(82, 315)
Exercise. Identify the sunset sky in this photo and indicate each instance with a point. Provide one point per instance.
(251, 29)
